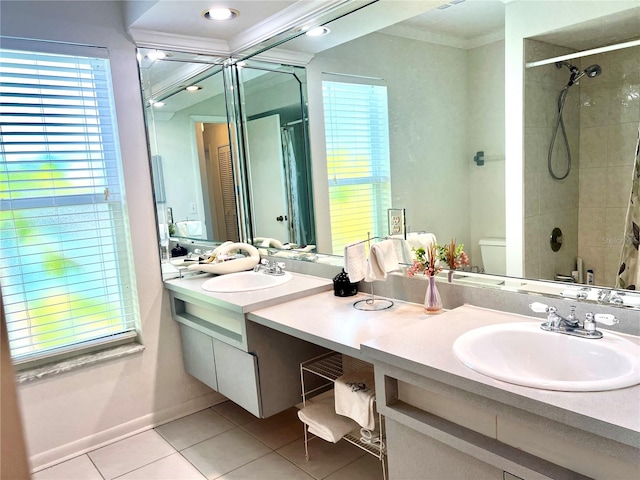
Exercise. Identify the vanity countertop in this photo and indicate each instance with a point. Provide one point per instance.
(244, 302)
(334, 323)
(425, 348)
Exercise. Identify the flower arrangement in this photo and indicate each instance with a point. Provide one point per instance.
(429, 261)
(425, 261)
(453, 255)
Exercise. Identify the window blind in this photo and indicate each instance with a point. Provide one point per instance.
(65, 255)
(358, 165)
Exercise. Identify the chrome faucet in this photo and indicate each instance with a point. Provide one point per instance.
(270, 268)
(571, 325)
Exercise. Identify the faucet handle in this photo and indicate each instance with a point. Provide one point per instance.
(539, 307)
(606, 318)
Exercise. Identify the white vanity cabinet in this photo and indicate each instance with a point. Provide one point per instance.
(252, 365)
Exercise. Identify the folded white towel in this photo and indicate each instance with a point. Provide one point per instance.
(424, 240)
(355, 394)
(355, 261)
(324, 422)
(382, 259)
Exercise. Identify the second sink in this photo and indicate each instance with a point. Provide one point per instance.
(244, 282)
(523, 354)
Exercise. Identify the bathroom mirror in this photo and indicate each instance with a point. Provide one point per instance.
(195, 174)
(444, 72)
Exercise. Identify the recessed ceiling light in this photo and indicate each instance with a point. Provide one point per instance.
(318, 32)
(158, 104)
(220, 13)
(156, 55)
(193, 88)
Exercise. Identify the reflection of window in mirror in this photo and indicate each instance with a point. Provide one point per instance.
(358, 164)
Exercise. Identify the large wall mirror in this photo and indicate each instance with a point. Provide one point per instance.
(464, 163)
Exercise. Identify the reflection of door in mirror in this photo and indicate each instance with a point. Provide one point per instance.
(268, 191)
(216, 172)
(277, 152)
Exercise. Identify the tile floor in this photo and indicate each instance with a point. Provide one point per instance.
(222, 442)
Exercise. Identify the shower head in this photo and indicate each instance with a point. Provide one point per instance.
(593, 71)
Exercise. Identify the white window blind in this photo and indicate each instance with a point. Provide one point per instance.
(65, 255)
(357, 138)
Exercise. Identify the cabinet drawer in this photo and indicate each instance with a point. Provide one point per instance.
(237, 376)
(199, 359)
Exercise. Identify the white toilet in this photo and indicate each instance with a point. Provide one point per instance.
(494, 255)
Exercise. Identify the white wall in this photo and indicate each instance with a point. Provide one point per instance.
(485, 126)
(427, 95)
(70, 413)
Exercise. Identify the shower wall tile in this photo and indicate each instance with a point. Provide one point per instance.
(592, 223)
(624, 65)
(536, 143)
(593, 187)
(614, 232)
(594, 146)
(610, 101)
(621, 143)
(625, 102)
(611, 264)
(532, 247)
(595, 102)
(619, 181)
(531, 194)
(593, 259)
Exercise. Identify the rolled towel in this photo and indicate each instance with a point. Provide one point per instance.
(355, 261)
(382, 259)
(355, 394)
(424, 240)
(324, 422)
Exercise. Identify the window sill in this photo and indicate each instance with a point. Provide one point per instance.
(67, 365)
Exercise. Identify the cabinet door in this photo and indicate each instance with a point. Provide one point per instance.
(237, 373)
(197, 352)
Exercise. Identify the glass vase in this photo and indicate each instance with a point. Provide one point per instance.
(432, 301)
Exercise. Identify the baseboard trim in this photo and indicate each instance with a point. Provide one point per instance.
(133, 427)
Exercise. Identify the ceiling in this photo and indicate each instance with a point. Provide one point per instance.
(183, 18)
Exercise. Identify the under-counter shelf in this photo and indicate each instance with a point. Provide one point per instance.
(331, 366)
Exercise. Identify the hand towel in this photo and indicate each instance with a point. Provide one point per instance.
(324, 422)
(403, 250)
(382, 259)
(355, 261)
(355, 394)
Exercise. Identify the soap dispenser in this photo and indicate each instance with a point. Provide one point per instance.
(342, 287)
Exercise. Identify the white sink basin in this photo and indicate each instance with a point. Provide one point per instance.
(523, 354)
(244, 282)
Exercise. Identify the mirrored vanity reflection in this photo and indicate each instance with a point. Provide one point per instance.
(450, 165)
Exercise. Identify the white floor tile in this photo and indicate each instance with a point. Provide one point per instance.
(225, 452)
(366, 467)
(325, 458)
(173, 467)
(192, 429)
(79, 468)
(278, 430)
(131, 453)
(269, 467)
(233, 412)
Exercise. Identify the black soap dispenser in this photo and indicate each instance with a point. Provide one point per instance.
(342, 287)
(178, 251)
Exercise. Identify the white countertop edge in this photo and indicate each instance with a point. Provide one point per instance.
(244, 302)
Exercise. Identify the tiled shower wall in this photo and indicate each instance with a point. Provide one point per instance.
(609, 116)
(549, 203)
(589, 206)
